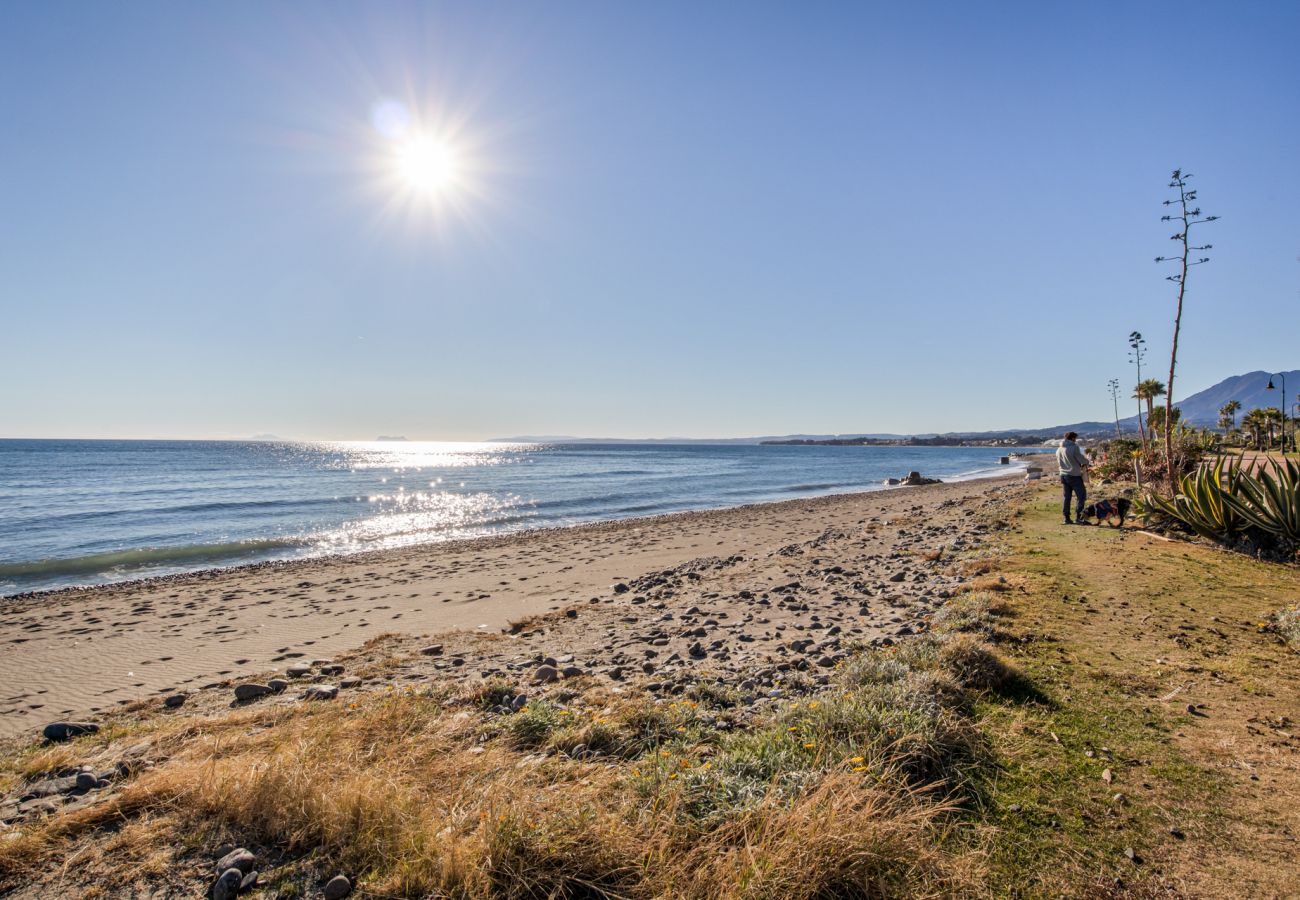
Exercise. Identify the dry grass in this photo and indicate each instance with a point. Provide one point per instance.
(977, 566)
(851, 793)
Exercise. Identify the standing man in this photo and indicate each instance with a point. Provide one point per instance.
(1072, 463)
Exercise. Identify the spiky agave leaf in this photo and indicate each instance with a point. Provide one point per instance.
(1271, 500)
(1202, 502)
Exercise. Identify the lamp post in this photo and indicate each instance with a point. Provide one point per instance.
(1281, 375)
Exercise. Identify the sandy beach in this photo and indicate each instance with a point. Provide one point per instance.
(646, 599)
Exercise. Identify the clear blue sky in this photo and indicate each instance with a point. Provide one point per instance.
(691, 219)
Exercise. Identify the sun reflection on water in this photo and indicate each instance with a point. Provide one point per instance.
(434, 508)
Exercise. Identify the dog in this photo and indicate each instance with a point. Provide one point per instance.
(1112, 512)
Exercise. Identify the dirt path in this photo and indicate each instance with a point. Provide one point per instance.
(1177, 626)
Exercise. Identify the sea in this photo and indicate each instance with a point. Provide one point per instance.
(93, 512)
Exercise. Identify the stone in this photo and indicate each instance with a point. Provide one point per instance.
(87, 781)
(39, 806)
(332, 669)
(350, 682)
(278, 685)
(337, 888)
(248, 881)
(572, 671)
(50, 787)
(63, 731)
(239, 859)
(250, 691)
(227, 885)
(321, 692)
(175, 701)
(433, 650)
(621, 588)
(300, 670)
(898, 576)
(546, 674)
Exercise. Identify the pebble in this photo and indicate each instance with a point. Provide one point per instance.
(277, 685)
(246, 692)
(321, 692)
(175, 701)
(337, 888)
(227, 885)
(546, 674)
(433, 650)
(300, 670)
(239, 858)
(87, 781)
(62, 731)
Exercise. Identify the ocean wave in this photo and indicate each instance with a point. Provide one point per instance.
(142, 557)
(820, 486)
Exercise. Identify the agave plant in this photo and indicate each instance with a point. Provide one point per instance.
(1204, 502)
(1270, 500)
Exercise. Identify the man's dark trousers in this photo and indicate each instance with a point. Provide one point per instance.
(1072, 484)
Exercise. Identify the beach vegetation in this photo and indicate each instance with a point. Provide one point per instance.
(1201, 502)
(1287, 624)
(1186, 214)
(1146, 392)
(1253, 510)
(1137, 352)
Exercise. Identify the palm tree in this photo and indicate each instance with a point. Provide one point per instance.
(1148, 391)
(1255, 423)
(1272, 418)
(1229, 411)
(1156, 419)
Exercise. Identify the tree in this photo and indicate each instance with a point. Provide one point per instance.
(1148, 391)
(1188, 216)
(1157, 420)
(1137, 350)
(1271, 417)
(1255, 423)
(1229, 411)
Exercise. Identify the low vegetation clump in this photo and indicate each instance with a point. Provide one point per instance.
(1287, 623)
(1120, 459)
(853, 791)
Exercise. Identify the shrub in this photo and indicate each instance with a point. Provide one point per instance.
(1258, 511)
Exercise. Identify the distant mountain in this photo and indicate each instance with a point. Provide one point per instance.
(1251, 390)
(1201, 408)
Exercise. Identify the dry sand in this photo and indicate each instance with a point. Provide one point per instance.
(738, 593)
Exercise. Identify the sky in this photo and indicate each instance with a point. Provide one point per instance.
(670, 218)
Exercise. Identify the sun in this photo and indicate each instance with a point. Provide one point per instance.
(426, 164)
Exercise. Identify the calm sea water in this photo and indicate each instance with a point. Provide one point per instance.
(89, 512)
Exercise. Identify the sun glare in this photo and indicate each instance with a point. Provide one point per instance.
(426, 165)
